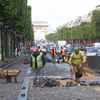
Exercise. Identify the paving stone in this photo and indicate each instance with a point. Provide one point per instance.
(10, 91)
(64, 93)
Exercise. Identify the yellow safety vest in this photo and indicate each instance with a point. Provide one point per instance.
(39, 61)
(77, 59)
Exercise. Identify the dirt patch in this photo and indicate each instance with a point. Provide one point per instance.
(97, 89)
(88, 76)
(31, 84)
(89, 70)
(89, 73)
(63, 82)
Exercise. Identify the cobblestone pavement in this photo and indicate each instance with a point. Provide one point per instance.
(62, 93)
(56, 70)
(10, 91)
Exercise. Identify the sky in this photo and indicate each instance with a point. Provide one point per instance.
(59, 12)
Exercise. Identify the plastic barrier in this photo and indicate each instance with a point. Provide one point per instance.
(94, 62)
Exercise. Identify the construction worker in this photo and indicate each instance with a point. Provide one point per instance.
(77, 59)
(53, 53)
(36, 61)
(36, 64)
(62, 54)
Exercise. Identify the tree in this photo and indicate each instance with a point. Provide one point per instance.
(96, 23)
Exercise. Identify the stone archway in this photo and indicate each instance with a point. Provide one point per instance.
(40, 29)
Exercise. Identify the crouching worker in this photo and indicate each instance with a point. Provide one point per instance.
(37, 63)
(77, 59)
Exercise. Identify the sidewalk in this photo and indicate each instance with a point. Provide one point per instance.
(7, 61)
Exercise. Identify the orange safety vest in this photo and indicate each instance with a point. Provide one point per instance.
(53, 52)
(62, 52)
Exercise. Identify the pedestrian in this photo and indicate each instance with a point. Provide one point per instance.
(77, 59)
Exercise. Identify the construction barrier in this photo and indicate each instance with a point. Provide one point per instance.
(94, 62)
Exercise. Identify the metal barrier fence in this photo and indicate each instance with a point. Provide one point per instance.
(94, 62)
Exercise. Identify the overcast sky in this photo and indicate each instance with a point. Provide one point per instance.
(58, 12)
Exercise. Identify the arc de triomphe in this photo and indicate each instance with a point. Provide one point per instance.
(40, 29)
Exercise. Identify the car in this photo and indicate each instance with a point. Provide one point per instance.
(70, 50)
(91, 51)
(97, 45)
(98, 52)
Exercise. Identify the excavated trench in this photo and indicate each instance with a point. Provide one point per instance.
(47, 82)
(59, 75)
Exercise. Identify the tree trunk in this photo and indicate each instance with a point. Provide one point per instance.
(6, 46)
(2, 44)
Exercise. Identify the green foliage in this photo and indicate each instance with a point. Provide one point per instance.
(82, 32)
(96, 23)
(29, 27)
(17, 15)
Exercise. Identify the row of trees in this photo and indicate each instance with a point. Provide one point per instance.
(15, 25)
(84, 31)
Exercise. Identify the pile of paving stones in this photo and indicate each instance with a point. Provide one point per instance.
(45, 82)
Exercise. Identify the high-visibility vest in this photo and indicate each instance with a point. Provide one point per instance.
(77, 59)
(37, 62)
(62, 52)
(53, 52)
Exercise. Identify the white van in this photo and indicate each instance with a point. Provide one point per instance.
(96, 45)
